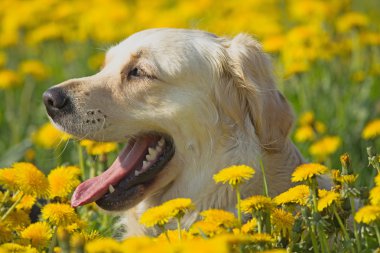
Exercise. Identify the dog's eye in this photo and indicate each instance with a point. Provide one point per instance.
(136, 72)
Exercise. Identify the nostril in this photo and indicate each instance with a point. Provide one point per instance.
(55, 98)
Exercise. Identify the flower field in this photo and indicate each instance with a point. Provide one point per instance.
(326, 55)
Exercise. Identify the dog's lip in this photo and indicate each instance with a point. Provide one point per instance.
(121, 173)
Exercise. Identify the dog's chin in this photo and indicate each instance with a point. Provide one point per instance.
(132, 175)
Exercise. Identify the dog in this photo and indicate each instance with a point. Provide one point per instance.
(188, 104)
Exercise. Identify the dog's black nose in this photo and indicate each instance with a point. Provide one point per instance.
(56, 101)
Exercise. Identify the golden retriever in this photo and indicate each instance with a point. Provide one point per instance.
(188, 103)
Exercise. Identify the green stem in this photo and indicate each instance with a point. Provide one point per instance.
(179, 229)
(264, 179)
(238, 197)
(267, 222)
(81, 160)
(347, 238)
(12, 207)
(53, 241)
(165, 232)
(314, 211)
(5, 196)
(24, 111)
(58, 154)
(356, 234)
(92, 168)
(259, 225)
(322, 237)
(314, 239)
(377, 233)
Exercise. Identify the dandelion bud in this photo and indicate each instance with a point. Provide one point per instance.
(346, 162)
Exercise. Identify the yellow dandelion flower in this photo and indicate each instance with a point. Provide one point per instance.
(307, 171)
(262, 238)
(214, 245)
(26, 202)
(14, 247)
(206, 228)
(6, 233)
(98, 148)
(351, 20)
(8, 179)
(256, 203)
(325, 147)
(304, 133)
(282, 221)
(274, 43)
(374, 196)
(377, 180)
(249, 227)
(78, 239)
(18, 219)
(92, 235)
(48, 137)
(8, 79)
(59, 214)
(368, 214)
(233, 240)
(95, 62)
(335, 174)
(31, 180)
(307, 118)
(320, 127)
(158, 215)
(296, 195)
(219, 217)
(326, 198)
(63, 180)
(99, 246)
(371, 130)
(178, 207)
(234, 175)
(38, 233)
(34, 68)
(173, 236)
(370, 38)
(75, 226)
(294, 68)
(137, 244)
(348, 179)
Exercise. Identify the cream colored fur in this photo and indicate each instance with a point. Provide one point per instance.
(216, 97)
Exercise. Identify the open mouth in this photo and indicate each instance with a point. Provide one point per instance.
(123, 184)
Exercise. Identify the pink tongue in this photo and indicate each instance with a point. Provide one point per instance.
(94, 188)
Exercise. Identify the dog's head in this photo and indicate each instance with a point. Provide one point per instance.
(181, 99)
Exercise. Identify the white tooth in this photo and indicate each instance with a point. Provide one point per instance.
(152, 151)
(111, 189)
(145, 165)
(149, 157)
(159, 149)
(137, 173)
(161, 142)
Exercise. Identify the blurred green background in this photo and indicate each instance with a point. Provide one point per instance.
(326, 55)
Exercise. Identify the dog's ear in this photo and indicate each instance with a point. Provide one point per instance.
(250, 94)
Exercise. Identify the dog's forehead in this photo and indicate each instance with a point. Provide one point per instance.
(161, 40)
